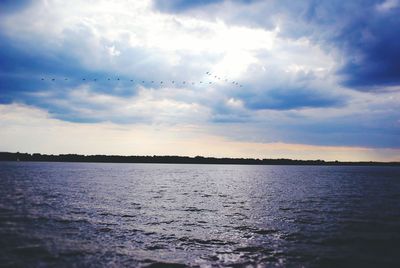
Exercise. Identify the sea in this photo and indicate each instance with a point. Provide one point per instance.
(194, 215)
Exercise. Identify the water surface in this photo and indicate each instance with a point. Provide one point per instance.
(93, 214)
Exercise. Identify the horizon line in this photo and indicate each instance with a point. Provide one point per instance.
(176, 159)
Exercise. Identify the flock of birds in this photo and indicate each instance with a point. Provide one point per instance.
(162, 82)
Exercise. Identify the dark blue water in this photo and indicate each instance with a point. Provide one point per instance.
(77, 214)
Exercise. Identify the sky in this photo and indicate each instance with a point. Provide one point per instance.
(226, 78)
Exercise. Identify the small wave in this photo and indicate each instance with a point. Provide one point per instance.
(256, 230)
(31, 250)
(156, 264)
(107, 214)
(189, 241)
(265, 231)
(68, 221)
(237, 215)
(156, 247)
(160, 222)
(105, 230)
(127, 216)
(253, 249)
(195, 209)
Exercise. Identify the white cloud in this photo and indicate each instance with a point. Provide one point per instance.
(387, 5)
(148, 105)
(113, 52)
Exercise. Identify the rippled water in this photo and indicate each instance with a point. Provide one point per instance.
(78, 214)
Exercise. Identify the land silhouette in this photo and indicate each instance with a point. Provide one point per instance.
(37, 157)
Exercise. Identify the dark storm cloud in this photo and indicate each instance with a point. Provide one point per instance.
(367, 34)
(293, 98)
(26, 71)
(372, 46)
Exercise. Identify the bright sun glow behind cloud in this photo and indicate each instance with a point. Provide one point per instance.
(114, 27)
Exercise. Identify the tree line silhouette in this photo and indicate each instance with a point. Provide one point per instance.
(37, 157)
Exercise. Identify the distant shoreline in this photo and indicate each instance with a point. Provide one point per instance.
(36, 157)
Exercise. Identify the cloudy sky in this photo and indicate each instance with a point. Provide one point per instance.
(268, 78)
